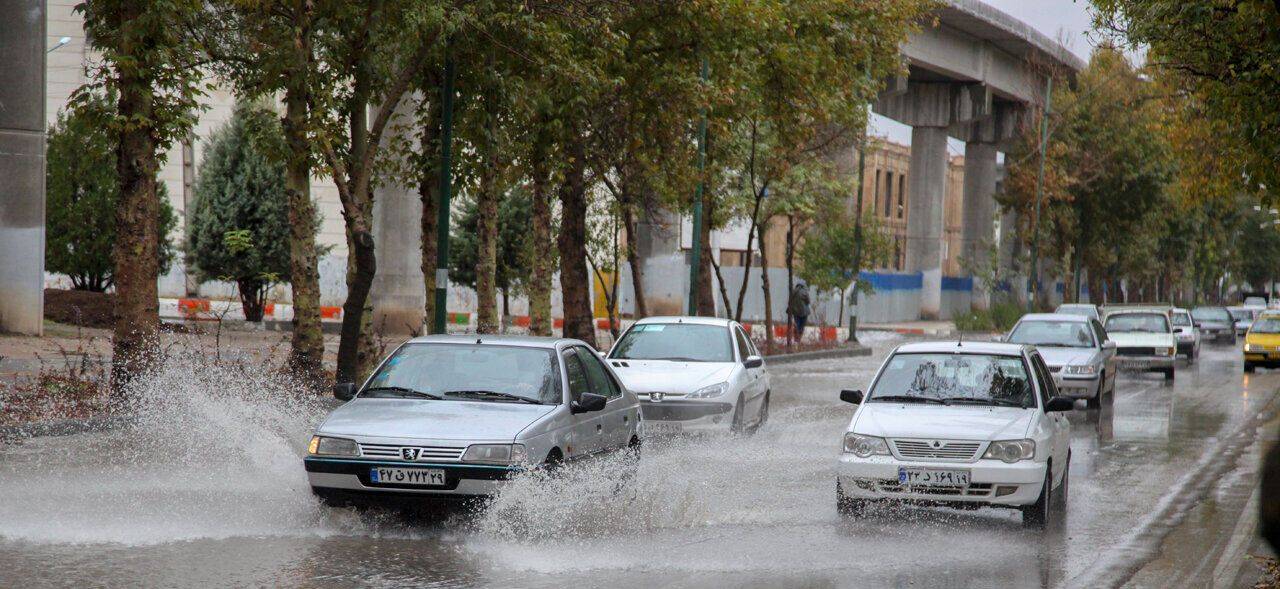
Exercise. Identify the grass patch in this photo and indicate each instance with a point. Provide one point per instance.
(1000, 317)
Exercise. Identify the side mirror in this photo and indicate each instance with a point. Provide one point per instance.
(1058, 404)
(587, 403)
(344, 391)
(853, 397)
(753, 362)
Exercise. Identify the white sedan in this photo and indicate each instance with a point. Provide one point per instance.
(693, 374)
(960, 424)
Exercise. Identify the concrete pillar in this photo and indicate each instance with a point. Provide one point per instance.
(666, 273)
(979, 211)
(926, 192)
(398, 296)
(22, 147)
(1010, 252)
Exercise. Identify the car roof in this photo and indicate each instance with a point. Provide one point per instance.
(964, 347)
(686, 319)
(1071, 317)
(1180, 310)
(1073, 305)
(1119, 310)
(527, 341)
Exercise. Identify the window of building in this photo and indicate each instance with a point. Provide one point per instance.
(875, 196)
(902, 191)
(888, 194)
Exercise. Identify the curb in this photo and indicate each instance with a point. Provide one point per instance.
(843, 352)
(939, 332)
(61, 427)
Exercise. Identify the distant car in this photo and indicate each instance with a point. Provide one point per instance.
(456, 416)
(1243, 318)
(1144, 338)
(1187, 334)
(693, 374)
(1077, 351)
(1215, 322)
(1084, 309)
(1255, 302)
(1262, 342)
(961, 424)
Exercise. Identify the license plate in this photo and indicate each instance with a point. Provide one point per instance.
(929, 477)
(407, 476)
(662, 428)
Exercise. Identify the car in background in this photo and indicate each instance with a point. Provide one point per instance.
(1187, 334)
(1242, 317)
(693, 375)
(1262, 342)
(1084, 309)
(1077, 351)
(961, 424)
(1216, 323)
(1144, 338)
(457, 416)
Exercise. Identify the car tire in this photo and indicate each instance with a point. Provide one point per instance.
(1037, 515)
(1064, 488)
(764, 414)
(1168, 374)
(849, 506)
(736, 426)
(1248, 367)
(1095, 402)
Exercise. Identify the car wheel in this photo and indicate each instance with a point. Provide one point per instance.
(1064, 488)
(1248, 367)
(849, 506)
(1168, 374)
(736, 426)
(764, 412)
(1095, 401)
(1036, 516)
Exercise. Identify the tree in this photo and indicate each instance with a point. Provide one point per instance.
(511, 260)
(82, 182)
(827, 254)
(240, 229)
(151, 64)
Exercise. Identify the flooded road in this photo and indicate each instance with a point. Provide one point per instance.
(208, 490)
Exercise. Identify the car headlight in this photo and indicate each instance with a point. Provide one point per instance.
(864, 446)
(1081, 369)
(495, 453)
(323, 446)
(1164, 351)
(708, 392)
(1011, 451)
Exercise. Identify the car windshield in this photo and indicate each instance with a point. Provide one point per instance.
(1138, 322)
(985, 379)
(474, 372)
(1241, 314)
(1181, 320)
(1210, 314)
(1085, 310)
(1267, 324)
(682, 342)
(1071, 334)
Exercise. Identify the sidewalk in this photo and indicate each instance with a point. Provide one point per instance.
(931, 328)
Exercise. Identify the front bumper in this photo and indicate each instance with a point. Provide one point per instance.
(1078, 387)
(685, 416)
(351, 476)
(1146, 362)
(1263, 359)
(991, 482)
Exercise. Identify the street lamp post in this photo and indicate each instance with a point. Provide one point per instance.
(695, 260)
(1034, 278)
(857, 239)
(442, 215)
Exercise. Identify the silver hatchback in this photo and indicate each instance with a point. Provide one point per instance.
(455, 416)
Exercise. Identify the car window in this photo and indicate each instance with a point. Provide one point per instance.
(491, 373)
(1210, 314)
(1266, 324)
(576, 375)
(1047, 388)
(1138, 323)
(987, 379)
(597, 375)
(744, 349)
(1181, 320)
(1048, 332)
(1098, 331)
(679, 342)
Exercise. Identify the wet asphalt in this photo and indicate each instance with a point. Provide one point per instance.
(209, 491)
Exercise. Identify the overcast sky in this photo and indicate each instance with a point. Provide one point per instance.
(1066, 20)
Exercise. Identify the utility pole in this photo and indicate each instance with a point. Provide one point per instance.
(1033, 279)
(695, 261)
(857, 238)
(438, 324)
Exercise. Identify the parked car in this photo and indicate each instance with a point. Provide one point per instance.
(456, 416)
(1084, 309)
(1243, 318)
(693, 374)
(1187, 334)
(1255, 302)
(960, 424)
(1215, 322)
(1144, 338)
(1077, 351)
(1262, 342)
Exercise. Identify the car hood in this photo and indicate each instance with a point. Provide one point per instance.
(1063, 356)
(442, 420)
(1263, 339)
(1141, 339)
(643, 376)
(968, 422)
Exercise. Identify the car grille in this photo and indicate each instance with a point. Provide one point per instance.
(426, 452)
(1136, 351)
(893, 486)
(924, 450)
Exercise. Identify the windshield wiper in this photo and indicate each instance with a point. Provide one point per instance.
(978, 401)
(408, 392)
(909, 399)
(492, 395)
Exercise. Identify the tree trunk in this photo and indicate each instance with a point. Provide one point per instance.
(575, 283)
(791, 276)
(746, 269)
(135, 339)
(306, 354)
(356, 346)
(762, 228)
(429, 193)
(252, 298)
(541, 271)
(724, 292)
(635, 263)
(706, 295)
(487, 228)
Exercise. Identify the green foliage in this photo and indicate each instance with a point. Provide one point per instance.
(1001, 317)
(82, 192)
(828, 251)
(512, 269)
(239, 231)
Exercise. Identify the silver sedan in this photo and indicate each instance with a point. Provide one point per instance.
(1077, 350)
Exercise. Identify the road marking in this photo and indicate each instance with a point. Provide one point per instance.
(1224, 575)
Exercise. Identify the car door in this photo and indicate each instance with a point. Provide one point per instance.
(753, 384)
(1108, 355)
(1057, 422)
(615, 423)
(585, 433)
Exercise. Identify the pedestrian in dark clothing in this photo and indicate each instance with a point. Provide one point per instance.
(798, 308)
